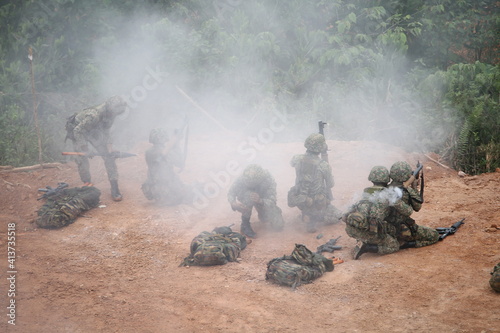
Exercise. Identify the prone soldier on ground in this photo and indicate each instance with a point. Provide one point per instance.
(255, 188)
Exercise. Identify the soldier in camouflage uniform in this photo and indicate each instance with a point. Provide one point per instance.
(93, 126)
(256, 187)
(408, 233)
(313, 179)
(365, 220)
(163, 184)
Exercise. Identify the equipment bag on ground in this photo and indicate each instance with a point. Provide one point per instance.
(301, 267)
(215, 248)
(64, 208)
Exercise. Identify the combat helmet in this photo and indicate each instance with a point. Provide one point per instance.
(252, 175)
(158, 136)
(116, 105)
(400, 171)
(315, 143)
(379, 174)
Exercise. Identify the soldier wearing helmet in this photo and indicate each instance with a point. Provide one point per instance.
(93, 126)
(408, 233)
(255, 188)
(313, 179)
(365, 220)
(163, 184)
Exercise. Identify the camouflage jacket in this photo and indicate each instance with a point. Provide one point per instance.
(410, 202)
(161, 164)
(313, 175)
(265, 187)
(94, 122)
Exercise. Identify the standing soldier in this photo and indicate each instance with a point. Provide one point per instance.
(93, 126)
(409, 233)
(313, 182)
(163, 184)
(255, 188)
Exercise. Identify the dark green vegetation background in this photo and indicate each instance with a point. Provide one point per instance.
(422, 74)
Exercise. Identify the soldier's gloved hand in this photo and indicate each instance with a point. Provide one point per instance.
(84, 148)
(238, 206)
(255, 198)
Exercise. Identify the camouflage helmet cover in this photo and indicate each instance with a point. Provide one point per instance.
(315, 143)
(116, 105)
(400, 171)
(158, 136)
(379, 174)
(253, 175)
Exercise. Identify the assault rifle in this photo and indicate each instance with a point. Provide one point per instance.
(329, 246)
(443, 232)
(114, 154)
(49, 191)
(324, 155)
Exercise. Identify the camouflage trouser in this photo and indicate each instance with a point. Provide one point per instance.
(267, 211)
(170, 192)
(318, 208)
(386, 243)
(421, 235)
(100, 146)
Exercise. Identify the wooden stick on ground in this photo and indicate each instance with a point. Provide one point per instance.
(433, 160)
(33, 167)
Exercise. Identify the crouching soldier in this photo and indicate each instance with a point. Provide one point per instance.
(365, 220)
(255, 188)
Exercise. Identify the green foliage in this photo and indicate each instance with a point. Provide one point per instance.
(473, 90)
(345, 62)
(18, 143)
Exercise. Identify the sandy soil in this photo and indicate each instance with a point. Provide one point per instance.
(116, 268)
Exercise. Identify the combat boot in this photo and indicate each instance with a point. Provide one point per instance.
(246, 228)
(310, 224)
(115, 192)
(408, 245)
(361, 248)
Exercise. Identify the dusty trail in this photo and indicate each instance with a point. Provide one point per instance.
(116, 268)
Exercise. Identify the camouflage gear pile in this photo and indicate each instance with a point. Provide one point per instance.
(400, 171)
(301, 267)
(495, 278)
(215, 248)
(379, 174)
(257, 182)
(315, 143)
(63, 208)
(313, 179)
(163, 184)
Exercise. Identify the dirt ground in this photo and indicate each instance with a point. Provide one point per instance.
(115, 269)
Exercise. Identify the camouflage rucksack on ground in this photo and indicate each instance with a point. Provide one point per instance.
(495, 278)
(215, 248)
(63, 209)
(301, 267)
